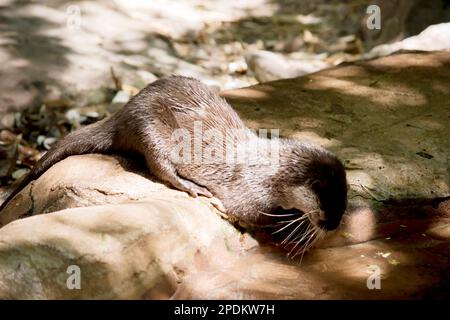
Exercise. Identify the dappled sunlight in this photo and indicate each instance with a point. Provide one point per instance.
(353, 274)
(361, 159)
(408, 62)
(251, 93)
(440, 231)
(388, 176)
(166, 14)
(358, 179)
(440, 87)
(398, 95)
(313, 137)
(293, 65)
(388, 131)
(358, 225)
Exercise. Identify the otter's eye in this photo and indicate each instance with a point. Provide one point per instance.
(316, 186)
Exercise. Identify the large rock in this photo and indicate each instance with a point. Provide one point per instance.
(132, 237)
(127, 251)
(153, 242)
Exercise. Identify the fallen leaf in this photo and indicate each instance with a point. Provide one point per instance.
(394, 262)
(347, 235)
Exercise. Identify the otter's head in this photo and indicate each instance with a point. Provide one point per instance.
(317, 187)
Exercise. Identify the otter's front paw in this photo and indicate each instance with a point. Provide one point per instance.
(192, 188)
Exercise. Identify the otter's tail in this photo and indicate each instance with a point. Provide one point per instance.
(97, 137)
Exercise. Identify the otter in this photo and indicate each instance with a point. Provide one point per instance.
(306, 186)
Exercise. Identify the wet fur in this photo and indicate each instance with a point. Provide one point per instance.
(145, 126)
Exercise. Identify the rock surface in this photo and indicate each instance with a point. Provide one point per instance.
(135, 238)
(124, 251)
(269, 66)
(386, 118)
(433, 38)
(167, 245)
